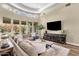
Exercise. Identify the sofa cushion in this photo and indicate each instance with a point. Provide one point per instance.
(29, 49)
(39, 46)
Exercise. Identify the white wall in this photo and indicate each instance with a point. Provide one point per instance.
(70, 21)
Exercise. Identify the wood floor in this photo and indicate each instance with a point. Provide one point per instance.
(74, 50)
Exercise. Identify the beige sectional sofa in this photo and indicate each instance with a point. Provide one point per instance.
(23, 48)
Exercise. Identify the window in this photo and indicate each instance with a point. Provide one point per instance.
(23, 22)
(30, 23)
(15, 21)
(6, 20)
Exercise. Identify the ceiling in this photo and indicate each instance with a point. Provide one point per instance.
(32, 10)
(31, 7)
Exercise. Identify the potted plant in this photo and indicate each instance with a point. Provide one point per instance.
(39, 28)
(23, 29)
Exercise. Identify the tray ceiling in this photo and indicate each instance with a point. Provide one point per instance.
(27, 9)
(31, 7)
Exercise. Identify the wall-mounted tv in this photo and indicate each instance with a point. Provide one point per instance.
(56, 25)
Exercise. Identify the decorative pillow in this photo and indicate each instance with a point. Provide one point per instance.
(29, 49)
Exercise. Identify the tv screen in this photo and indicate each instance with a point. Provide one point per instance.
(56, 25)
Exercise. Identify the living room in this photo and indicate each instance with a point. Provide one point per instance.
(24, 29)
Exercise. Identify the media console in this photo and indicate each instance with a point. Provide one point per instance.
(59, 38)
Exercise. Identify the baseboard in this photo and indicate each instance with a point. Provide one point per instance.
(72, 43)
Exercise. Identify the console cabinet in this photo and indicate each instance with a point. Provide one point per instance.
(59, 38)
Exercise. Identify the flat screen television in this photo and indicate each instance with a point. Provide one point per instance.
(56, 25)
